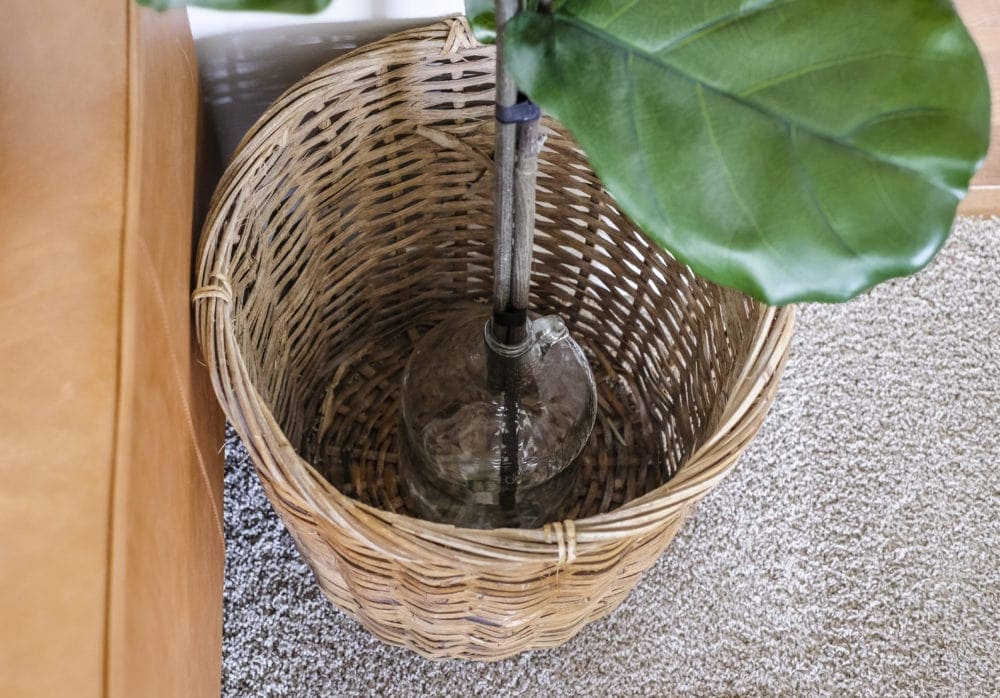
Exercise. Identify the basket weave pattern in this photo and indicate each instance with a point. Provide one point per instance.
(356, 215)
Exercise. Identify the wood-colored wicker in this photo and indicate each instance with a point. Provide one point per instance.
(356, 214)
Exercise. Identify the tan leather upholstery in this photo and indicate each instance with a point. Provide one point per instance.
(111, 545)
(983, 19)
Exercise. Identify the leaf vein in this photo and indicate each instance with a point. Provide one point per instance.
(706, 28)
(816, 67)
(887, 202)
(618, 13)
(810, 187)
(722, 158)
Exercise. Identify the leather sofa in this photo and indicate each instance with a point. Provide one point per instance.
(111, 539)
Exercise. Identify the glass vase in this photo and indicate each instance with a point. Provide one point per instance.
(490, 429)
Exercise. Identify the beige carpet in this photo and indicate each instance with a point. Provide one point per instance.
(855, 550)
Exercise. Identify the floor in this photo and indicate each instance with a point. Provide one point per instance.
(856, 549)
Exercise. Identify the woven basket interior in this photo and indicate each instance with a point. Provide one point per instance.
(367, 219)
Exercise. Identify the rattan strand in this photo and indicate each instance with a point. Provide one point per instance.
(355, 215)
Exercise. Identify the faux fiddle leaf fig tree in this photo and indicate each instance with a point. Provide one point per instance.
(792, 149)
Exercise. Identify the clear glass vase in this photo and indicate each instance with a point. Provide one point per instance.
(490, 429)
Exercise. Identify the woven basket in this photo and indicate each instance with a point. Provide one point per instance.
(356, 215)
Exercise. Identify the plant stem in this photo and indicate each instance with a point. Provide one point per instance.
(529, 143)
(516, 163)
(505, 153)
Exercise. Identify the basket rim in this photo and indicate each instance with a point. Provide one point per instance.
(412, 538)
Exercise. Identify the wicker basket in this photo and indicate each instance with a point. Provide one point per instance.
(357, 214)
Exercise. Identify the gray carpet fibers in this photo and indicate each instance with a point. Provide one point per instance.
(855, 549)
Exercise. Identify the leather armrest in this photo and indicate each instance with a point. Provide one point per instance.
(983, 19)
(111, 547)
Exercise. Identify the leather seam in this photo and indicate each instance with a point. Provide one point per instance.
(116, 450)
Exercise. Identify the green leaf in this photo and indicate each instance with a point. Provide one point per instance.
(483, 20)
(289, 6)
(793, 149)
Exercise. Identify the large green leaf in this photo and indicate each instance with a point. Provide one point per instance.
(290, 6)
(794, 149)
(482, 19)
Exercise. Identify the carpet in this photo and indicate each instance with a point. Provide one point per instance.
(855, 549)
